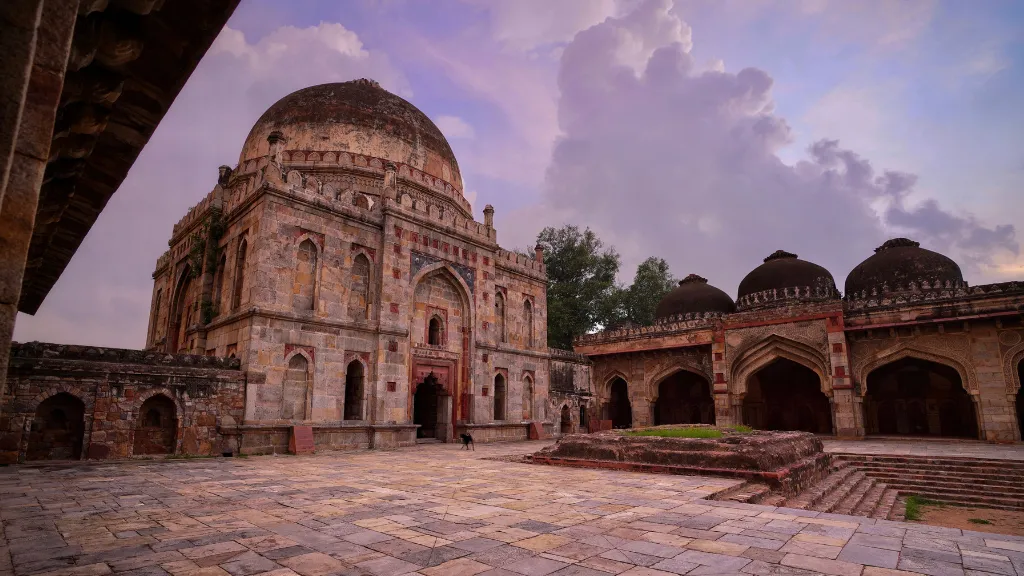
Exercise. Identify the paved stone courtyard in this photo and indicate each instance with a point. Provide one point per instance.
(435, 510)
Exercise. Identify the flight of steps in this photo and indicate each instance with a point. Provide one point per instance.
(847, 490)
(983, 482)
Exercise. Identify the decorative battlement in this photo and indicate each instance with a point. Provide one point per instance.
(568, 356)
(664, 327)
(519, 262)
(823, 289)
(50, 351)
(311, 159)
(926, 292)
(196, 213)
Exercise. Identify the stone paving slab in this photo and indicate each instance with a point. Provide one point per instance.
(925, 447)
(438, 511)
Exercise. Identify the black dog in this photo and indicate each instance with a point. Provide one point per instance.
(467, 441)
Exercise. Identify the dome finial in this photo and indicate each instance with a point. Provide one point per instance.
(898, 243)
(368, 82)
(693, 278)
(778, 255)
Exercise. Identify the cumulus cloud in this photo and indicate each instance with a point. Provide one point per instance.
(103, 298)
(664, 159)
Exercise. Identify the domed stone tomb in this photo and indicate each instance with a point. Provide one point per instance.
(357, 117)
(901, 266)
(693, 297)
(783, 278)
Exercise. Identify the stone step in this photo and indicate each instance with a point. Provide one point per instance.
(899, 510)
(976, 500)
(837, 495)
(886, 504)
(979, 479)
(953, 485)
(870, 501)
(748, 493)
(855, 496)
(958, 464)
(812, 495)
(1012, 476)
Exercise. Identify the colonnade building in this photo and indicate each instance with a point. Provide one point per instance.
(910, 349)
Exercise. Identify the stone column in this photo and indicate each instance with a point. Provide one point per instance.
(996, 411)
(847, 420)
(720, 386)
(38, 33)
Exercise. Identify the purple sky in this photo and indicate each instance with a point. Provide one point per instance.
(709, 133)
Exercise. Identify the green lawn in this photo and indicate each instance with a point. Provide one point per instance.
(678, 433)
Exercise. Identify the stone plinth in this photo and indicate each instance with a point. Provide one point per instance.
(786, 461)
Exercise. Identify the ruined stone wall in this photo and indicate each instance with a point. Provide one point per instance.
(66, 401)
(571, 388)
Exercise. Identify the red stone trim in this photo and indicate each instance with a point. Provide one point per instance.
(310, 352)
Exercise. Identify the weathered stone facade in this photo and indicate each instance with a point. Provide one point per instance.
(73, 402)
(910, 350)
(340, 262)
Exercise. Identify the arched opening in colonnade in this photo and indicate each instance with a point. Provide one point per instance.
(1020, 400)
(57, 429)
(619, 410)
(786, 395)
(684, 398)
(156, 427)
(917, 397)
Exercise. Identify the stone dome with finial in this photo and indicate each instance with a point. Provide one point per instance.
(694, 297)
(784, 278)
(901, 266)
(356, 117)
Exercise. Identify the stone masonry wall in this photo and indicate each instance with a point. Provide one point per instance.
(49, 385)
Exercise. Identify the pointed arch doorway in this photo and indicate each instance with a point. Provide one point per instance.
(432, 409)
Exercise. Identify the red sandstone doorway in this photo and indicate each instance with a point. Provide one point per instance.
(619, 409)
(432, 409)
(916, 397)
(157, 427)
(684, 398)
(58, 429)
(786, 395)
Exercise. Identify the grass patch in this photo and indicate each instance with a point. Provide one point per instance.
(978, 521)
(914, 504)
(678, 433)
(741, 428)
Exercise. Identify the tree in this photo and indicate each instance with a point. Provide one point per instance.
(581, 282)
(652, 281)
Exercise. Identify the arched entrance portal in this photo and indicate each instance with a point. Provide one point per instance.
(432, 409)
(786, 395)
(156, 427)
(620, 411)
(918, 398)
(1020, 400)
(57, 429)
(684, 398)
(566, 421)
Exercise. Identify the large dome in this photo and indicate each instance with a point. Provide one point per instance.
(898, 263)
(358, 117)
(693, 296)
(783, 277)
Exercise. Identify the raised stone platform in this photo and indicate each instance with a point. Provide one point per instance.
(787, 462)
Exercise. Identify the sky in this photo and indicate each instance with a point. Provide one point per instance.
(709, 133)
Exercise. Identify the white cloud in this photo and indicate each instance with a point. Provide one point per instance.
(455, 127)
(529, 24)
(639, 149)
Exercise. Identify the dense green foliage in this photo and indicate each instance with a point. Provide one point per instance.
(581, 282)
(582, 291)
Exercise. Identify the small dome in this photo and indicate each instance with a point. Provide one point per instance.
(693, 296)
(785, 277)
(898, 263)
(357, 117)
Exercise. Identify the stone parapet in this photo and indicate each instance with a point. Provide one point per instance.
(884, 297)
(49, 351)
(521, 263)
